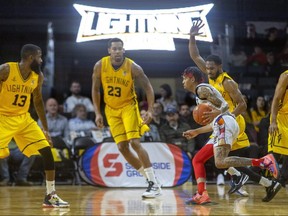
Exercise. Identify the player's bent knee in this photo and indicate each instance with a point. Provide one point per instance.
(220, 164)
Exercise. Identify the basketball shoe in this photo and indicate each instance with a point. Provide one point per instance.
(270, 164)
(271, 191)
(152, 190)
(52, 200)
(237, 182)
(242, 192)
(199, 199)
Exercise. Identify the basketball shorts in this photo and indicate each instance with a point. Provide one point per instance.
(225, 130)
(26, 132)
(278, 142)
(125, 123)
(242, 140)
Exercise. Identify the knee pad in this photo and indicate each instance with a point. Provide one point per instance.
(47, 156)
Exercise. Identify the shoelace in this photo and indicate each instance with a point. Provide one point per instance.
(150, 186)
(268, 166)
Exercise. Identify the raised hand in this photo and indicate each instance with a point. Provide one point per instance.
(196, 27)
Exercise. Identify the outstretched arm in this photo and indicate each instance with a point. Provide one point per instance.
(195, 132)
(193, 49)
(140, 77)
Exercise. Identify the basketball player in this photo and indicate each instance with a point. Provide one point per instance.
(225, 131)
(228, 88)
(278, 129)
(18, 81)
(117, 73)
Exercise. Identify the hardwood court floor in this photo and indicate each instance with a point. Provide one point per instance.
(89, 200)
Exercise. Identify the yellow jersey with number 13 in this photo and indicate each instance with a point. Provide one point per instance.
(118, 84)
(15, 92)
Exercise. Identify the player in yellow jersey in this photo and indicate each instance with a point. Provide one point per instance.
(117, 73)
(18, 82)
(232, 95)
(278, 129)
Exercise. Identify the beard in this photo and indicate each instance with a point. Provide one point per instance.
(35, 67)
(215, 76)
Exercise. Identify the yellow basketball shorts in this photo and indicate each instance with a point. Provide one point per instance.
(278, 142)
(125, 123)
(26, 132)
(242, 140)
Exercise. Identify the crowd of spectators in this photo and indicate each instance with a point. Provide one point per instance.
(74, 117)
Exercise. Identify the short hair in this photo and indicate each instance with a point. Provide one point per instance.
(194, 72)
(29, 49)
(114, 40)
(214, 58)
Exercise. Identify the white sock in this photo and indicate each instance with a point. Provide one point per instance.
(50, 186)
(150, 175)
(265, 182)
(142, 172)
(233, 171)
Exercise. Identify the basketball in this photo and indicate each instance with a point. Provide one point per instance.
(198, 112)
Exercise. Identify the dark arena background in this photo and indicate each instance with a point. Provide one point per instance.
(25, 21)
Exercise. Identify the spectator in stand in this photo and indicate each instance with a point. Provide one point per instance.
(57, 123)
(15, 157)
(172, 131)
(77, 98)
(258, 112)
(263, 131)
(238, 57)
(273, 67)
(153, 134)
(252, 38)
(166, 97)
(282, 57)
(157, 114)
(258, 57)
(80, 125)
(273, 42)
(185, 115)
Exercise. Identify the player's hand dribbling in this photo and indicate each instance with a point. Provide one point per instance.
(99, 121)
(196, 27)
(209, 116)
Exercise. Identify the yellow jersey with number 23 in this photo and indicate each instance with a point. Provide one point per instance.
(118, 84)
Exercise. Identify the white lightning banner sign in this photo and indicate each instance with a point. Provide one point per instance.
(142, 29)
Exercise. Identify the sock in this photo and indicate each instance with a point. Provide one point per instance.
(201, 187)
(150, 175)
(142, 172)
(232, 171)
(257, 162)
(265, 182)
(50, 186)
